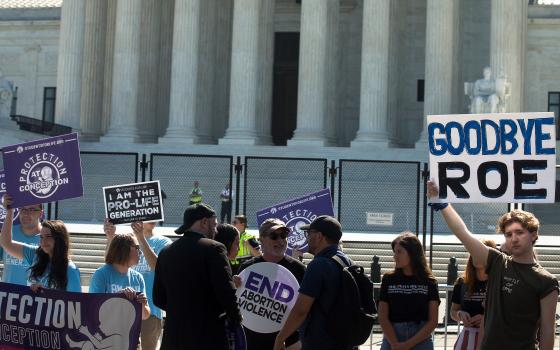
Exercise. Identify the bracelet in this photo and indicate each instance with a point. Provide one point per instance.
(438, 206)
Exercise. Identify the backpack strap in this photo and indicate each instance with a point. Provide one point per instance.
(340, 261)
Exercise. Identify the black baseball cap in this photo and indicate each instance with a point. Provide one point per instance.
(327, 225)
(193, 213)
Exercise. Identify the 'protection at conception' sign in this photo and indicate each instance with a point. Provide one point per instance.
(504, 157)
(43, 171)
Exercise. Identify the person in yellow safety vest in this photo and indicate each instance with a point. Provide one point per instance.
(248, 244)
(195, 196)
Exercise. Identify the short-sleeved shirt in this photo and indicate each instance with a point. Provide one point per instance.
(17, 270)
(258, 341)
(471, 302)
(513, 300)
(108, 280)
(408, 296)
(73, 274)
(157, 243)
(321, 282)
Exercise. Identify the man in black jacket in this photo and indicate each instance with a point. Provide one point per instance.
(193, 284)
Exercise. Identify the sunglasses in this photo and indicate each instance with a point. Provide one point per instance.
(275, 235)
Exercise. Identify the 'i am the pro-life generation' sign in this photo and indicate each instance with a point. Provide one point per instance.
(504, 157)
(298, 212)
(43, 171)
(133, 202)
(267, 294)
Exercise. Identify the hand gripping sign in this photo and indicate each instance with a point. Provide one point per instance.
(133, 202)
(503, 157)
(266, 297)
(298, 212)
(2, 209)
(43, 171)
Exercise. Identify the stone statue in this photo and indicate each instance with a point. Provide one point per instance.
(6, 95)
(488, 95)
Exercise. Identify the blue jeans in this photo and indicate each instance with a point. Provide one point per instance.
(407, 330)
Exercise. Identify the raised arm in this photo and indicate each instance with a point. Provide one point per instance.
(13, 248)
(149, 253)
(476, 248)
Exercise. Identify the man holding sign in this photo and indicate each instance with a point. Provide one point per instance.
(273, 235)
(521, 295)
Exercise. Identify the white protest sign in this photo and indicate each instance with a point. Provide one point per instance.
(266, 297)
(502, 157)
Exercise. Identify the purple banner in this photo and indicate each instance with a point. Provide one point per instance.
(55, 319)
(43, 171)
(2, 209)
(297, 212)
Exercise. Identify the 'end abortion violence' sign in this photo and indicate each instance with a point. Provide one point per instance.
(133, 202)
(507, 157)
(266, 297)
(43, 171)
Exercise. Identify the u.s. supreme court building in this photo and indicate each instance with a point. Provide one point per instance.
(281, 78)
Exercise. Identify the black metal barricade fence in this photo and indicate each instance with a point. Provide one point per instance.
(271, 180)
(177, 174)
(379, 196)
(99, 169)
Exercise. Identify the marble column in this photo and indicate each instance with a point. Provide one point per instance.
(440, 74)
(317, 73)
(70, 56)
(148, 78)
(126, 61)
(251, 73)
(508, 33)
(93, 70)
(108, 69)
(164, 70)
(373, 130)
(183, 103)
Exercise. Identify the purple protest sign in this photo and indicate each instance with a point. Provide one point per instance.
(297, 212)
(55, 319)
(43, 171)
(2, 209)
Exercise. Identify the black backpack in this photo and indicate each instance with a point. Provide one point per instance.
(353, 314)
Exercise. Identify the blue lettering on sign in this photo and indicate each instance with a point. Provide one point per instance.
(278, 291)
(472, 137)
(540, 136)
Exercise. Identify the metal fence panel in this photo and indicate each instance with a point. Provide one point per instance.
(177, 173)
(269, 181)
(99, 169)
(480, 218)
(385, 188)
(548, 213)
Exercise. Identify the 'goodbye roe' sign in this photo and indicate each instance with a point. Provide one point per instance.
(266, 297)
(133, 202)
(505, 157)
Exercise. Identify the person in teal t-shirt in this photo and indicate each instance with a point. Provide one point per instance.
(116, 276)
(50, 263)
(151, 245)
(16, 270)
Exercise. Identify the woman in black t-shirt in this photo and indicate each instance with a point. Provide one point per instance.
(409, 300)
(467, 303)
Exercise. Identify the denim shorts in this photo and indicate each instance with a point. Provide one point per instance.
(407, 330)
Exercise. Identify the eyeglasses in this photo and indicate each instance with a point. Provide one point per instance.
(275, 235)
(30, 210)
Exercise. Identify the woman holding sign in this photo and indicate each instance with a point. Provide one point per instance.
(50, 263)
(117, 276)
(409, 300)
